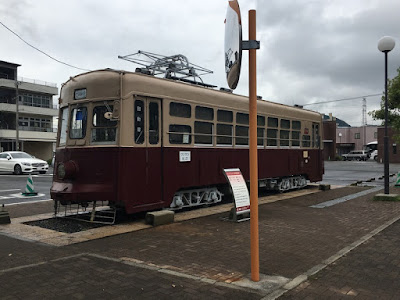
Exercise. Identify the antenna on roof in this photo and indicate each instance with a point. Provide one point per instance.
(175, 67)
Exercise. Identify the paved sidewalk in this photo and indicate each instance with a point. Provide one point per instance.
(208, 258)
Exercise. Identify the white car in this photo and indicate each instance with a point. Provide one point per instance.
(21, 162)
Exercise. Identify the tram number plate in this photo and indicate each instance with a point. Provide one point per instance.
(184, 156)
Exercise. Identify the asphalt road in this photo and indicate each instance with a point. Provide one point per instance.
(12, 187)
(336, 173)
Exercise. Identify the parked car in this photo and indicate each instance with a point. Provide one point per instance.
(356, 155)
(20, 162)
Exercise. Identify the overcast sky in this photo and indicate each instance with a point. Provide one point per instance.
(311, 51)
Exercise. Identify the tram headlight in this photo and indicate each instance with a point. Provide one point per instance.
(67, 170)
(61, 171)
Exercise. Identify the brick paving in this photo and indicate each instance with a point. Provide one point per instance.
(203, 256)
(371, 271)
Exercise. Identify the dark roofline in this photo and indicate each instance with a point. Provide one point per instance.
(6, 63)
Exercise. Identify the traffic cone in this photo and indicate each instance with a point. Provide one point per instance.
(398, 180)
(30, 189)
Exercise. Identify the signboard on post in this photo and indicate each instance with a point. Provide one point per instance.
(239, 190)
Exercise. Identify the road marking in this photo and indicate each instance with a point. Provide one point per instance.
(27, 202)
(1, 191)
(26, 197)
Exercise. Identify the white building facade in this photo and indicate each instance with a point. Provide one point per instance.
(35, 132)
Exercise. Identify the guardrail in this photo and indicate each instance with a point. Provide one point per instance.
(35, 81)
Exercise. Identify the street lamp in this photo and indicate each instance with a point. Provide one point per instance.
(385, 45)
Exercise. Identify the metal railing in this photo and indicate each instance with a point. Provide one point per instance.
(27, 128)
(35, 81)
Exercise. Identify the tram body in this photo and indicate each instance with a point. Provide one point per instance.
(144, 143)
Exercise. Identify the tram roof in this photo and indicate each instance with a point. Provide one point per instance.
(140, 84)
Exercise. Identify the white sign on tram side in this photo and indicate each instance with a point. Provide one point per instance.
(239, 190)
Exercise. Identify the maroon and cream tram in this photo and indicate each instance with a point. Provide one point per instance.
(144, 143)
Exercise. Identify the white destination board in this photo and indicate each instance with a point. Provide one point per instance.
(239, 189)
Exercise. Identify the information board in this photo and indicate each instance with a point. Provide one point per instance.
(239, 190)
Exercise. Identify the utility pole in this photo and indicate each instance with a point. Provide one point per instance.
(16, 114)
(364, 120)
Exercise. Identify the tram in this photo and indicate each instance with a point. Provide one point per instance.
(143, 143)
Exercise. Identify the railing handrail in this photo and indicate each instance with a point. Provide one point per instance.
(35, 81)
(12, 101)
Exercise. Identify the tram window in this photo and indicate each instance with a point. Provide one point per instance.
(242, 118)
(272, 135)
(204, 113)
(180, 134)
(260, 136)
(260, 121)
(105, 129)
(64, 122)
(78, 123)
(296, 125)
(224, 134)
(296, 138)
(180, 110)
(285, 124)
(272, 122)
(306, 140)
(224, 116)
(153, 123)
(139, 122)
(284, 137)
(242, 135)
(203, 133)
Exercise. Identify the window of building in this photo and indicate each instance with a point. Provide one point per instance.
(180, 110)
(357, 136)
(78, 123)
(203, 133)
(375, 135)
(104, 129)
(204, 113)
(180, 134)
(394, 149)
(224, 134)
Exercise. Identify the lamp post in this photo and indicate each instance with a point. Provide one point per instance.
(385, 45)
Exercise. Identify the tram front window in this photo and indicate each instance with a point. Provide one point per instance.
(104, 129)
(78, 123)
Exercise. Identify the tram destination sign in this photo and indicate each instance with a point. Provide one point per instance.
(239, 190)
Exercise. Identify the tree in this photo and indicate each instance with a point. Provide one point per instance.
(393, 105)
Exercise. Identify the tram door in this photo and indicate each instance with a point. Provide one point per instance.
(148, 135)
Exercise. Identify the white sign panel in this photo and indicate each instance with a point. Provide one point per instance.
(184, 156)
(239, 189)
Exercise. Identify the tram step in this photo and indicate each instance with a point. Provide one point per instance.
(161, 217)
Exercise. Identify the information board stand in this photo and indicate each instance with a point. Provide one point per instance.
(241, 210)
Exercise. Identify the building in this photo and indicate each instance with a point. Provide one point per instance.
(35, 112)
(394, 151)
(354, 138)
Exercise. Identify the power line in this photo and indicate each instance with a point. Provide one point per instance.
(345, 99)
(59, 61)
